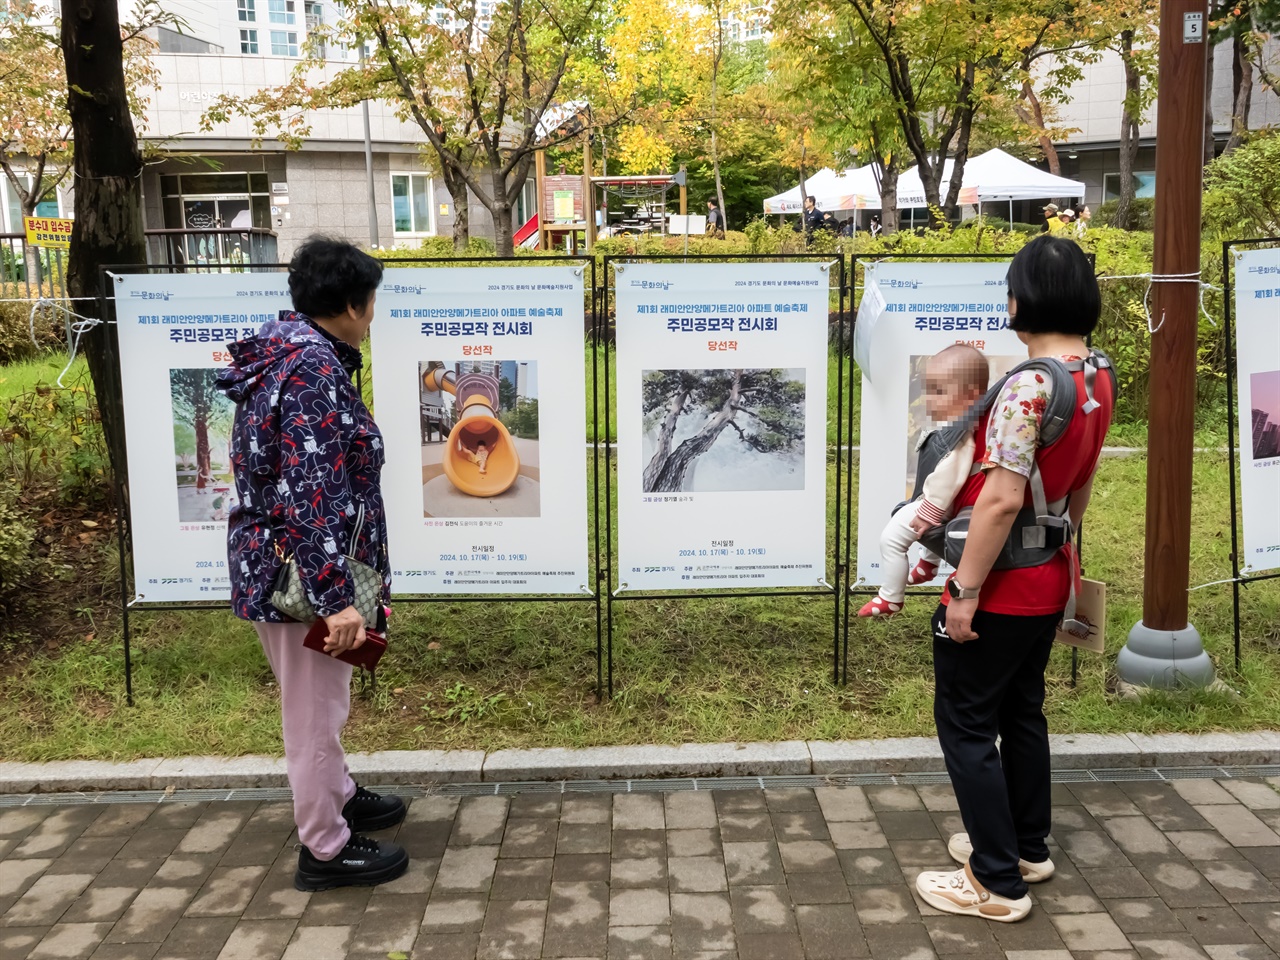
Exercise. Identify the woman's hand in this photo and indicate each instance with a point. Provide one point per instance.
(960, 620)
(346, 631)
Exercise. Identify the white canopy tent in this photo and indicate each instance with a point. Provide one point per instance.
(852, 189)
(990, 177)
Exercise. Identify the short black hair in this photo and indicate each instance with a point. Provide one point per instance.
(712, 203)
(1055, 288)
(327, 275)
(812, 199)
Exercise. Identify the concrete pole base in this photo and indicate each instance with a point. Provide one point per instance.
(1164, 659)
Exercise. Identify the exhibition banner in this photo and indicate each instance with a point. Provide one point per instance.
(913, 310)
(1257, 291)
(174, 330)
(479, 390)
(722, 425)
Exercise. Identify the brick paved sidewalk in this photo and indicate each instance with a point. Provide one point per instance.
(1146, 869)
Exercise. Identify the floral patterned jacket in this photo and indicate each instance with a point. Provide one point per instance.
(1013, 431)
(305, 453)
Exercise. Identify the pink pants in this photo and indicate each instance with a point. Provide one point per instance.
(315, 694)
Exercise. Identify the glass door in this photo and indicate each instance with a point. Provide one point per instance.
(197, 216)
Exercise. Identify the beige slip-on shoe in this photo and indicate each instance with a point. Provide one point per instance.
(961, 850)
(960, 892)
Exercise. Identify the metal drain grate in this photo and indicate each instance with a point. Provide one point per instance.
(728, 783)
(555, 786)
(665, 785)
(1125, 775)
(1200, 773)
(660, 786)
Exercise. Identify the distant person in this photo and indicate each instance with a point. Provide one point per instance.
(1066, 218)
(1082, 220)
(715, 220)
(812, 218)
(307, 460)
(829, 222)
(1051, 223)
(846, 228)
(876, 229)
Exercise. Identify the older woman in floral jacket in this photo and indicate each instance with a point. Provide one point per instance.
(306, 456)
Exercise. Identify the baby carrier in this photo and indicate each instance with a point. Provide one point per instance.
(1042, 529)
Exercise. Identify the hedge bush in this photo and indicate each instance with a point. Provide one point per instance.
(15, 326)
(1143, 212)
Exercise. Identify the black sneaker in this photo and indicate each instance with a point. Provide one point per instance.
(368, 811)
(363, 862)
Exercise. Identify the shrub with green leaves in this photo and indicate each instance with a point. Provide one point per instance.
(1242, 201)
(15, 325)
(20, 566)
(52, 438)
(1142, 211)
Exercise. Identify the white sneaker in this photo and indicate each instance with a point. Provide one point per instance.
(961, 850)
(960, 892)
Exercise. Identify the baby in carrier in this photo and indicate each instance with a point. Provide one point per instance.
(955, 380)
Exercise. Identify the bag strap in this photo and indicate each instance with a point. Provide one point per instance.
(358, 531)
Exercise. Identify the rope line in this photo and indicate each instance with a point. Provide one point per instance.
(77, 325)
(1154, 278)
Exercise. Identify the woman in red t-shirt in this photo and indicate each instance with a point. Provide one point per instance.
(993, 631)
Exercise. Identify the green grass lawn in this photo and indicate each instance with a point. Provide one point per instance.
(490, 675)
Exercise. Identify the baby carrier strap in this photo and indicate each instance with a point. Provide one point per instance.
(1043, 529)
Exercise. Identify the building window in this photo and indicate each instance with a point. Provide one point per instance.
(1144, 185)
(246, 10)
(313, 14)
(284, 44)
(411, 202)
(248, 41)
(46, 208)
(281, 11)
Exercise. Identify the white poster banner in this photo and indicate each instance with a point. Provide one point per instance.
(1257, 290)
(922, 308)
(722, 423)
(479, 390)
(174, 330)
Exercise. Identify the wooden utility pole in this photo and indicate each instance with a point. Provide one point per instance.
(1163, 649)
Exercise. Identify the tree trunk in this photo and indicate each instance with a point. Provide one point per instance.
(804, 147)
(200, 421)
(457, 188)
(108, 195)
(669, 477)
(1034, 117)
(1210, 150)
(668, 431)
(889, 196)
(931, 180)
(1128, 133)
(715, 153)
(1241, 89)
(503, 229)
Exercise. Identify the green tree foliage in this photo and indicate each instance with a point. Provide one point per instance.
(1243, 190)
(35, 123)
(477, 88)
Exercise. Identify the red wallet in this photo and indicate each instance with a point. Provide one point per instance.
(366, 655)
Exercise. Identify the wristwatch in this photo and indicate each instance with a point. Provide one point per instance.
(958, 592)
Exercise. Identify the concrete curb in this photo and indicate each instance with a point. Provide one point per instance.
(1080, 751)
